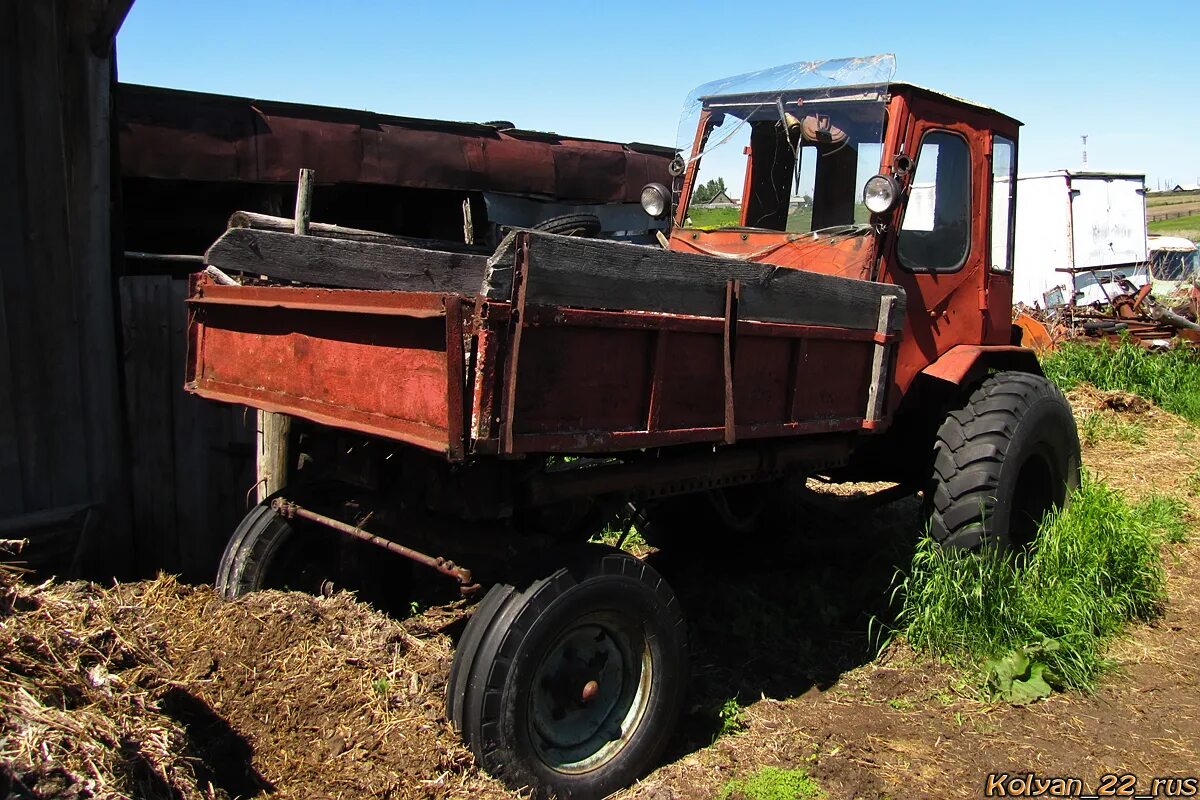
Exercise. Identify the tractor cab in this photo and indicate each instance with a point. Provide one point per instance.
(832, 167)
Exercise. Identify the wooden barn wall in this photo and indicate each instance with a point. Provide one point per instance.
(191, 461)
(61, 443)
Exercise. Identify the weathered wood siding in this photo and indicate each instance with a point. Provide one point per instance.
(60, 425)
(191, 461)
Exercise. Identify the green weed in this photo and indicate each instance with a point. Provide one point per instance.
(773, 783)
(628, 539)
(381, 686)
(732, 718)
(1168, 515)
(1047, 616)
(1169, 379)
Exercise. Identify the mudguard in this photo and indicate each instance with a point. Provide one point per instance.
(964, 363)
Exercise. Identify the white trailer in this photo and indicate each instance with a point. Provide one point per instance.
(1070, 222)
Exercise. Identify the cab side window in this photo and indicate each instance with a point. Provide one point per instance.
(1004, 188)
(935, 234)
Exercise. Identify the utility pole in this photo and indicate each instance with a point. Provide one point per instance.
(1084, 138)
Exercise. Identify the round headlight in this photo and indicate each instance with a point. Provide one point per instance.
(655, 200)
(881, 194)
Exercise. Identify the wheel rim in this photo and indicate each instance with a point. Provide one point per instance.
(590, 692)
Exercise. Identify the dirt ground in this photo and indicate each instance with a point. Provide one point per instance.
(286, 695)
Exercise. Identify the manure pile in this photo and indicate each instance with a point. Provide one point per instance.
(160, 690)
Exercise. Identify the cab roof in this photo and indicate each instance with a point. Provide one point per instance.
(917, 89)
(851, 91)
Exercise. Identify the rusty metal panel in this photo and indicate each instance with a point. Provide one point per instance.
(603, 381)
(364, 369)
(166, 133)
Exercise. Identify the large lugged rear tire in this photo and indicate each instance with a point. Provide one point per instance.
(1003, 460)
(572, 686)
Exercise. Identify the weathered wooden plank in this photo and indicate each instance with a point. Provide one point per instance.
(880, 363)
(596, 273)
(346, 264)
(267, 222)
(87, 109)
(146, 334)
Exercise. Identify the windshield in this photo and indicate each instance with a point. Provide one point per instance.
(1175, 265)
(788, 148)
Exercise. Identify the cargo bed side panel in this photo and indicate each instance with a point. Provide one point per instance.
(376, 370)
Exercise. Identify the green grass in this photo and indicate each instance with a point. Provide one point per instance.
(1158, 199)
(1096, 567)
(707, 218)
(799, 221)
(1097, 426)
(1188, 226)
(773, 783)
(1169, 379)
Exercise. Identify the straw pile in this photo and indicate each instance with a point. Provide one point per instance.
(156, 690)
(78, 687)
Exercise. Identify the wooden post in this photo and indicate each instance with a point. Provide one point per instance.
(468, 223)
(881, 362)
(274, 430)
(304, 189)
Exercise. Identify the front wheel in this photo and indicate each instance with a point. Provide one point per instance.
(1002, 461)
(572, 686)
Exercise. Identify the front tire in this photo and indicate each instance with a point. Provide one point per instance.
(1003, 460)
(573, 686)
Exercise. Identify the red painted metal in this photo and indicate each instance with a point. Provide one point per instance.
(383, 363)
(961, 362)
(946, 310)
(166, 133)
(544, 316)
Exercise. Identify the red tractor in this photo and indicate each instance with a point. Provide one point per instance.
(486, 416)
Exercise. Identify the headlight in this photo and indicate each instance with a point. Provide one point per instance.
(880, 194)
(656, 200)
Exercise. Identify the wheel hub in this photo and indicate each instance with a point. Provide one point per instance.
(588, 695)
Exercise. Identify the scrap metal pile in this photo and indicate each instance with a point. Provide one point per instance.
(1153, 322)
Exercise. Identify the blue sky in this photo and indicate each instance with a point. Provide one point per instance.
(1125, 76)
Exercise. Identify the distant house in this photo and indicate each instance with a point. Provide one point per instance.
(721, 197)
(1186, 187)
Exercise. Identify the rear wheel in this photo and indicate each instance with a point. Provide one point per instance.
(270, 551)
(1003, 460)
(267, 551)
(573, 685)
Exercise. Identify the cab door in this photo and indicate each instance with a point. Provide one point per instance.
(939, 250)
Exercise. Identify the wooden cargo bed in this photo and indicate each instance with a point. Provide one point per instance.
(555, 344)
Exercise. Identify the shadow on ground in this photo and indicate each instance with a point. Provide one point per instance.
(226, 758)
(806, 602)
